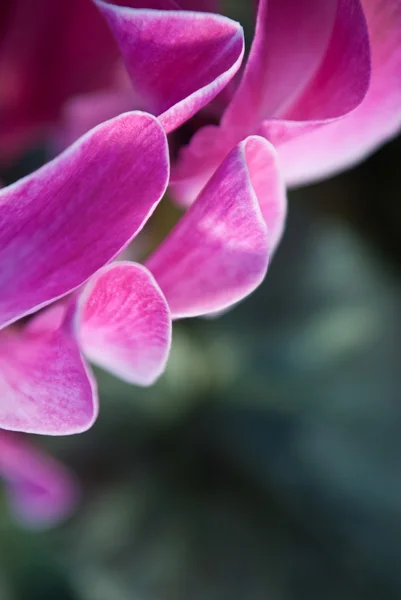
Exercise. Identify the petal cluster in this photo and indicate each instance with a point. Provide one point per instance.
(321, 88)
(83, 208)
(60, 225)
(294, 84)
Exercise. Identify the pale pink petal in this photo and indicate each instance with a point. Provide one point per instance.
(124, 323)
(265, 177)
(66, 220)
(199, 160)
(45, 386)
(178, 60)
(41, 491)
(290, 40)
(309, 64)
(218, 252)
(309, 60)
(374, 121)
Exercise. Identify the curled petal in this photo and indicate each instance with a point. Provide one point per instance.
(309, 60)
(309, 66)
(40, 490)
(341, 144)
(268, 186)
(178, 60)
(218, 252)
(124, 323)
(66, 220)
(45, 386)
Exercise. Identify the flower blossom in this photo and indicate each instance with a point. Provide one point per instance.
(121, 318)
(321, 83)
(65, 222)
(60, 225)
(40, 491)
(53, 51)
(319, 90)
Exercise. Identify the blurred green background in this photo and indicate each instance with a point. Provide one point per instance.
(265, 464)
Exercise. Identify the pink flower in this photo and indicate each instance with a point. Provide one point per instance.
(322, 84)
(320, 89)
(52, 51)
(60, 225)
(64, 223)
(40, 491)
(121, 319)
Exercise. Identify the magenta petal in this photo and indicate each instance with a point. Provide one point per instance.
(45, 386)
(339, 87)
(40, 490)
(309, 64)
(178, 61)
(69, 218)
(341, 144)
(309, 60)
(125, 324)
(218, 253)
(198, 161)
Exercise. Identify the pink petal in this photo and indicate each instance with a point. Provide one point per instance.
(125, 324)
(45, 386)
(310, 60)
(199, 160)
(374, 121)
(218, 253)
(289, 43)
(178, 61)
(41, 491)
(69, 218)
(309, 64)
(49, 51)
